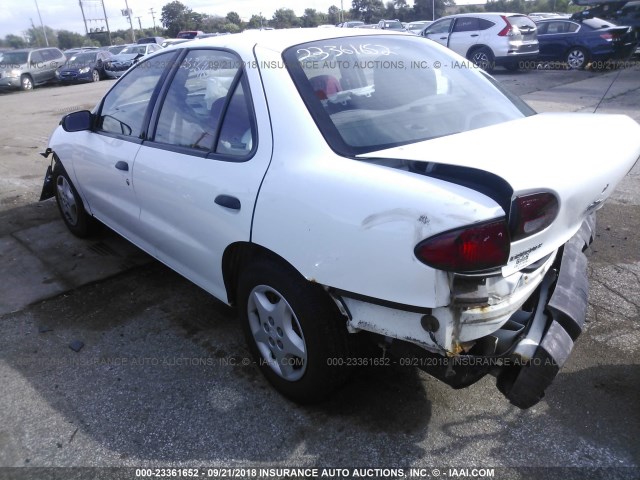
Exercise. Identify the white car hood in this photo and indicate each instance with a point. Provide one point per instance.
(579, 157)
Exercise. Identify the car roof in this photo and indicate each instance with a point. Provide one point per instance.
(485, 14)
(280, 40)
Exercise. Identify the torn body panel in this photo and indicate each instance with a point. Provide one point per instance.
(524, 334)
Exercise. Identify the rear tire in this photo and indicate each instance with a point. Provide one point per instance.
(577, 58)
(483, 58)
(95, 76)
(70, 205)
(294, 331)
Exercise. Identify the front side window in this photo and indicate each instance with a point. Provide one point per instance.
(369, 93)
(439, 27)
(466, 24)
(124, 108)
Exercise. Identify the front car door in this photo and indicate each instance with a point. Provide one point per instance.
(104, 168)
(439, 31)
(197, 177)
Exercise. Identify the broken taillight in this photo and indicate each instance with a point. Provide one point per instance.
(532, 214)
(475, 248)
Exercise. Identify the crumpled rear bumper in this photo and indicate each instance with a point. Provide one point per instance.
(527, 353)
(524, 384)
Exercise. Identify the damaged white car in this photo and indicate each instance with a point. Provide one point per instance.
(341, 186)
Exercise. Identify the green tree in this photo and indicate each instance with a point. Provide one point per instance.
(369, 11)
(423, 10)
(14, 41)
(310, 18)
(175, 16)
(35, 37)
(403, 12)
(233, 17)
(285, 18)
(67, 39)
(257, 21)
(333, 15)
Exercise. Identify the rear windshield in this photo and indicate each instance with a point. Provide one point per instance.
(134, 50)
(521, 21)
(367, 93)
(392, 25)
(82, 58)
(597, 23)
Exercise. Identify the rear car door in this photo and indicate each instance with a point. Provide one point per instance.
(464, 34)
(104, 169)
(198, 175)
(37, 68)
(555, 37)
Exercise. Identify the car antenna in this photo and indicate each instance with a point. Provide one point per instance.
(607, 90)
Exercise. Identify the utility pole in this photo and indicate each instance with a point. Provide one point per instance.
(84, 18)
(105, 21)
(140, 24)
(133, 33)
(341, 11)
(153, 16)
(43, 29)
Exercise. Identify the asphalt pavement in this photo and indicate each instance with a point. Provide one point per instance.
(108, 358)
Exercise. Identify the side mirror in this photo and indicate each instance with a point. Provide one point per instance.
(77, 121)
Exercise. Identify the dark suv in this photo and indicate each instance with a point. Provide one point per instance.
(27, 68)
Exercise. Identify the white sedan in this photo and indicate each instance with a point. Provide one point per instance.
(348, 186)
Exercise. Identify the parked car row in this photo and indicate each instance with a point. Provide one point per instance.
(515, 41)
(27, 68)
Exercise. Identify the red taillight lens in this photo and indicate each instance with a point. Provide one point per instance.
(474, 248)
(507, 29)
(607, 36)
(532, 214)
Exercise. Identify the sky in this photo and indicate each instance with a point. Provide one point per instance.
(16, 15)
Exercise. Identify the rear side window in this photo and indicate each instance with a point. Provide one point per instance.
(205, 107)
(466, 24)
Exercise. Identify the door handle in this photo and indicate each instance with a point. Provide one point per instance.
(475, 35)
(443, 38)
(124, 166)
(227, 201)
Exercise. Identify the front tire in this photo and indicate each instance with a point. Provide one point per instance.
(26, 83)
(71, 208)
(294, 331)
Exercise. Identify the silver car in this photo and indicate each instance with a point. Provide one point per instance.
(27, 68)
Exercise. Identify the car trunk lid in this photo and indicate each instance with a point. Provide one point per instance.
(540, 154)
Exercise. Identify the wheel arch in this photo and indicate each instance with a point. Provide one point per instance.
(478, 46)
(238, 256)
(57, 165)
